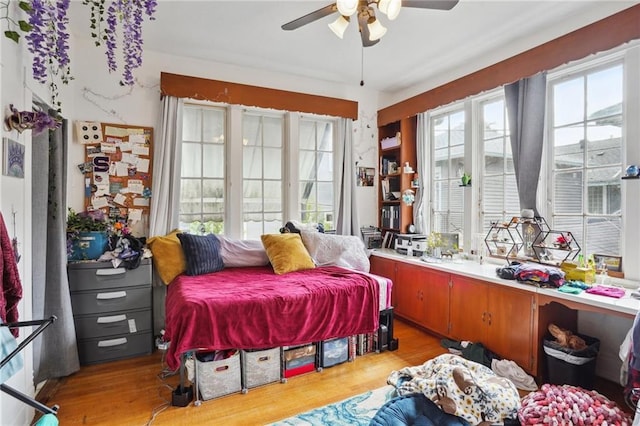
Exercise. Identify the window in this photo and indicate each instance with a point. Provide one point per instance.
(315, 169)
(499, 190)
(202, 196)
(448, 136)
(283, 162)
(586, 139)
(262, 146)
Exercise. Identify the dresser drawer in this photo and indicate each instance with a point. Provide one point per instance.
(101, 275)
(116, 347)
(110, 324)
(111, 300)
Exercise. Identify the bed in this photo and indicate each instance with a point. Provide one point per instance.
(255, 307)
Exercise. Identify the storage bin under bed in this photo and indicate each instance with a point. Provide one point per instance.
(260, 367)
(218, 378)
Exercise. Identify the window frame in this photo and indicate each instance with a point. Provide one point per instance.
(564, 74)
(233, 176)
(333, 180)
(454, 108)
(262, 115)
(201, 143)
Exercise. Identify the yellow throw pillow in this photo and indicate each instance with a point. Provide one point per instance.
(286, 253)
(168, 256)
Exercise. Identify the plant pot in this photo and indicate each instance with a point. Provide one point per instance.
(89, 245)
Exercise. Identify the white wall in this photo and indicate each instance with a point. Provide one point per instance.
(15, 195)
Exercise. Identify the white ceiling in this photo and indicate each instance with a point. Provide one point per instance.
(422, 48)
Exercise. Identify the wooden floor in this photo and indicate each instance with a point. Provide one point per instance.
(130, 392)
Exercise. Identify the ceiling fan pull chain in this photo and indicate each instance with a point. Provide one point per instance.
(362, 67)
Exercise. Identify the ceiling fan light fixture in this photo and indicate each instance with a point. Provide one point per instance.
(376, 30)
(391, 8)
(347, 7)
(339, 26)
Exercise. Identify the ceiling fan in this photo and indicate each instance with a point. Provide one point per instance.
(371, 30)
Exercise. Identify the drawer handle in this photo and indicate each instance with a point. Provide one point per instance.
(114, 318)
(112, 342)
(111, 295)
(108, 272)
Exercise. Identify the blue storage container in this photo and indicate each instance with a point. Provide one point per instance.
(334, 352)
(89, 245)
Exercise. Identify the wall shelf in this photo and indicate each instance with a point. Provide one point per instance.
(530, 240)
(394, 215)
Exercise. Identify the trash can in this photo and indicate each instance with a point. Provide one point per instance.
(569, 366)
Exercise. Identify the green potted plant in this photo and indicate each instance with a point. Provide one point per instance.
(87, 234)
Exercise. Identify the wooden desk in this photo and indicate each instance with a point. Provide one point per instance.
(473, 303)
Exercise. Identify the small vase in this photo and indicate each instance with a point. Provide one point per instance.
(436, 252)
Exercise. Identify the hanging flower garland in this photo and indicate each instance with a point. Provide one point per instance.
(131, 14)
(48, 41)
(47, 36)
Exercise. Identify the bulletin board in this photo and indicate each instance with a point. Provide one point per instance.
(118, 171)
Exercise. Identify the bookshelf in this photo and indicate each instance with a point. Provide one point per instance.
(396, 147)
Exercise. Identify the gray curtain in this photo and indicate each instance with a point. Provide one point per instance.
(55, 353)
(420, 206)
(347, 214)
(525, 100)
(166, 198)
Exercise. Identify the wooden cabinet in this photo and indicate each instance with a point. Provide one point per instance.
(510, 331)
(437, 299)
(500, 317)
(409, 293)
(385, 268)
(421, 295)
(468, 309)
(393, 214)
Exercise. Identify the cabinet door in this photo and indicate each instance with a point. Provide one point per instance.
(436, 300)
(383, 267)
(409, 292)
(511, 324)
(468, 309)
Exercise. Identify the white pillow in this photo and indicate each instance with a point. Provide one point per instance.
(238, 253)
(337, 250)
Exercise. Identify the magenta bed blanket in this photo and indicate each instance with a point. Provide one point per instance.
(253, 308)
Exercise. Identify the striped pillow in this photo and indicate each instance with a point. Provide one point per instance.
(202, 253)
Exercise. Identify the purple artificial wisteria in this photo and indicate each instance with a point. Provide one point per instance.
(48, 41)
(131, 14)
(48, 36)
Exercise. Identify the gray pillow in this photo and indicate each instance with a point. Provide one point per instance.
(239, 253)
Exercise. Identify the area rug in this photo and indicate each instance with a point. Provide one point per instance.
(357, 410)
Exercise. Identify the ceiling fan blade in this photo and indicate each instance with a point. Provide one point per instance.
(364, 30)
(430, 4)
(310, 17)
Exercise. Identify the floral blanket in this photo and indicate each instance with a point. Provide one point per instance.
(461, 387)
